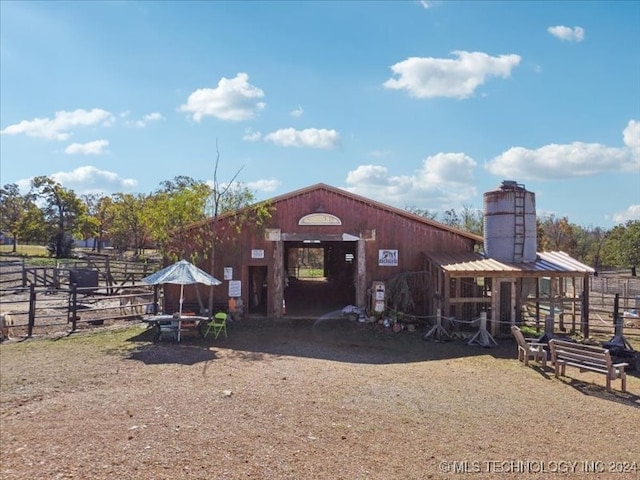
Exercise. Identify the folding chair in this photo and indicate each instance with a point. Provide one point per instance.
(217, 325)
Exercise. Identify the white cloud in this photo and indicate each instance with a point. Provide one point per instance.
(264, 185)
(251, 136)
(567, 34)
(309, 137)
(145, 120)
(443, 181)
(89, 179)
(298, 112)
(427, 77)
(631, 213)
(96, 147)
(576, 159)
(631, 136)
(59, 127)
(234, 99)
(426, 4)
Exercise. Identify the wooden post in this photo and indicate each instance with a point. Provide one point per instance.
(32, 309)
(573, 304)
(155, 301)
(585, 307)
(278, 279)
(550, 325)
(495, 301)
(446, 290)
(538, 303)
(561, 295)
(24, 275)
(361, 275)
(518, 301)
(74, 306)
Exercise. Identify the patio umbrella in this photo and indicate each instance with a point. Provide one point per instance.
(181, 273)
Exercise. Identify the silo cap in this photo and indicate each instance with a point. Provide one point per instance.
(510, 185)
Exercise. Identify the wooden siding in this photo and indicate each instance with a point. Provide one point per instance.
(380, 226)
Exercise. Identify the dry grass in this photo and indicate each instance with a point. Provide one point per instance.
(335, 400)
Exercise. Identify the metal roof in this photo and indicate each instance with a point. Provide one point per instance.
(474, 264)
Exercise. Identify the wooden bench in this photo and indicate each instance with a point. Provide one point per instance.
(586, 357)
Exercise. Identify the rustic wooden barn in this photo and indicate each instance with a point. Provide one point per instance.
(356, 247)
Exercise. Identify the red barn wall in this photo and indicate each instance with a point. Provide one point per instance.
(382, 228)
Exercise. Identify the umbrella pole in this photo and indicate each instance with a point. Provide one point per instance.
(180, 310)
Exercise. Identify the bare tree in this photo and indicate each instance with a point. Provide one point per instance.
(217, 198)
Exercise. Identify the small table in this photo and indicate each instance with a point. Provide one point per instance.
(174, 325)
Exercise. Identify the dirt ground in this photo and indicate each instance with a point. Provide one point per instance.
(330, 399)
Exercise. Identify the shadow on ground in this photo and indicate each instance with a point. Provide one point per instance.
(600, 391)
(335, 339)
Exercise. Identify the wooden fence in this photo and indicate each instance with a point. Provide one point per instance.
(68, 309)
(100, 271)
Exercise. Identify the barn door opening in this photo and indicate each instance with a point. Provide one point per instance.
(320, 277)
(258, 290)
(505, 307)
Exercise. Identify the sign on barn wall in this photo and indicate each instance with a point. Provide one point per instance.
(228, 273)
(235, 288)
(319, 219)
(387, 258)
(272, 234)
(257, 253)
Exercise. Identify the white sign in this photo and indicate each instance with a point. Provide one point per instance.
(257, 253)
(272, 234)
(228, 273)
(388, 258)
(235, 288)
(319, 219)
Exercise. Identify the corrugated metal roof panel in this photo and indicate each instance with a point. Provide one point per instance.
(546, 262)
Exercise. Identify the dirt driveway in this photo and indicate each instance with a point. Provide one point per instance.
(303, 400)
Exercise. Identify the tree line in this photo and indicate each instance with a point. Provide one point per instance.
(56, 216)
(597, 247)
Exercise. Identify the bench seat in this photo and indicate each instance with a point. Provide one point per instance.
(586, 358)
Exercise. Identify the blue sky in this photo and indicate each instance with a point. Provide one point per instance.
(415, 104)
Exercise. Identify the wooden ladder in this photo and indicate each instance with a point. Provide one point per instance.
(519, 223)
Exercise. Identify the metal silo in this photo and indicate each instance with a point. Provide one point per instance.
(510, 223)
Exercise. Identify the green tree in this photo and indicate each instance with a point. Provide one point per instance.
(556, 234)
(199, 240)
(16, 212)
(171, 209)
(130, 221)
(472, 219)
(589, 243)
(622, 245)
(63, 212)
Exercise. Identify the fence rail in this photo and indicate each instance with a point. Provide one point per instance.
(47, 311)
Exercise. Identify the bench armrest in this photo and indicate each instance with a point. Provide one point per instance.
(620, 365)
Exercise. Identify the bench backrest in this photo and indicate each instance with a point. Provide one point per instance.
(519, 336)
(578, 353)
(517, 333)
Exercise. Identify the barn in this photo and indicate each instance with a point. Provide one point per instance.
(324, 249)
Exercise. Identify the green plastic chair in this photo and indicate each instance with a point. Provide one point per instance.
(217, 325)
